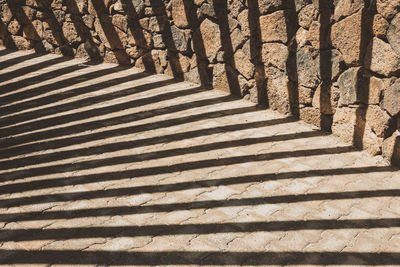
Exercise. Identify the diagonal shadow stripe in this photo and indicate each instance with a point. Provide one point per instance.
(31, 68)
(33, 103)
(25, 149)
(111, 176)
(208, 204)
(53, 144)
(43, 77)
(4, 52)
(17, 235)
(15, 60)
(116, 132)
(95, 112)
(212, 258)
(179, 167)
(37, 159)
(149, 189)
(37, 125)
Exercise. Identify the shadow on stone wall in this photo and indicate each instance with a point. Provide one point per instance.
(333, 65)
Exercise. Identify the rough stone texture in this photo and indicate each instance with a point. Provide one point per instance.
(380, 26)
(391, 148)
(279, 89)
(331, 65)
(210, 35)
(388, 8)
(313, 116)
(295, 50)
(358, 86)
(244, 66)
(275, 54)
(391, 100)
(267, 6)
(381, 58)
(306, 71)
(307, 15)
(275, 27)
(393, 34)
(346, 37)
(179, 13)
(354, 125)
(325, 99)
(345, 8)
(224, 77)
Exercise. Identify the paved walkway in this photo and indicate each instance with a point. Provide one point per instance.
(104, 165)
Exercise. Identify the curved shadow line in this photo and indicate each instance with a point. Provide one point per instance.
(178, 167)
(33, 160)
(81, 115)
(197, 258)
(162, 188)
(116, 132)
(58, 97)
(17, 235)
(111, 176)
(208, 204)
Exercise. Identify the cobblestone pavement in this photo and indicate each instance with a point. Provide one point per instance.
(104, 165)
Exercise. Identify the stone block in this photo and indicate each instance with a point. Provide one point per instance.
(381, 58)
(277, 27)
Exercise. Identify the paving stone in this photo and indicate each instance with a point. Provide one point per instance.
(105, 167)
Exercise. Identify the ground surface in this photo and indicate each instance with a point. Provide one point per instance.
(101, 165)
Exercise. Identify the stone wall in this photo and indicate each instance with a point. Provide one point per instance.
(335, 64)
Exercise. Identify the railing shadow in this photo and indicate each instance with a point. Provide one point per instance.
(53, 98)
(30, 141)
(197, 258)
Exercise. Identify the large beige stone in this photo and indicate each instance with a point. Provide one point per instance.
(225, 79)
(243, 64)
(380, 26)
(6, 14)
(358, 86)
(378, 120)
(391, 98)
(237, 39)
(346, 8)
(329, 65)
(381, 58)
(120, 21)
(313, 116)
(391, 148)
(267, 6)
(70, 33)
(210, 36)
(306, 16)
(275, 27)
(179, 14)
(301, 37)
(393, 34)
(275, 54)
(304, 70)
(14, 27)
(180, 38)
(352, 126)
(326, 98)
(388, 8)
(346, 37)
(305, 95)
(20, 42)
(243, 20)
(280, 90)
